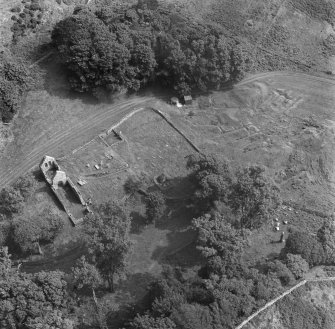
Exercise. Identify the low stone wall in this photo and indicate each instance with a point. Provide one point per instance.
(176, 128)
(76, 191)
(74, 221)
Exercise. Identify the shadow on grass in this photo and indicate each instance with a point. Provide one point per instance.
(46, 189)
(38, 176)
(180, 251)
(132, 297)
(56, 81)
(138, 223)
(178, 188)
(62, 262)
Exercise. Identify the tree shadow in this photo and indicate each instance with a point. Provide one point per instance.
(63, 262)
(132, 296)
(155, 89)
(178, 188)
(56, 81)
(138, 222)
(180, 251)
(46, 189)
(38, 176)
(273, 256)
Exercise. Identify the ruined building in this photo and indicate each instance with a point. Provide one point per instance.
(64, 189)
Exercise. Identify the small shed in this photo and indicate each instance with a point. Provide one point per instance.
(188, 100)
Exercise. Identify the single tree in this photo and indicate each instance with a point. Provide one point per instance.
(297, 265)
(155, 206)
(108, 242)
(85, 275)
(11, 201)
(305, 245)
(254, 197)
(27, 234)
(218, 241)
(213, 177)
(25, 185)
(132, 185)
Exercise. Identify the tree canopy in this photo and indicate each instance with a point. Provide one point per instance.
(126, 47)
(85, 274)
(305, 245)
(30, 232)
(14, 81)
(107, 239)
(218, 241)
(11, 201)
(254, 196)
(213, 176)
(155, 206)
(31, 300)
(249, 192)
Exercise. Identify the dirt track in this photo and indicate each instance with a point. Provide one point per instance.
(18, 166)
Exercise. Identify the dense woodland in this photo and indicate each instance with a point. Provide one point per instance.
(123, 49)
(126, 48)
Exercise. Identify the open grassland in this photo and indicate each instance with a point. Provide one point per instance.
(284, 121)
(276, 34)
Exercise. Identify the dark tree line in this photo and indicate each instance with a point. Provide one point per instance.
(14, 81)
(125, 48)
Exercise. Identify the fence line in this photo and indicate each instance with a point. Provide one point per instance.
(177, 129)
